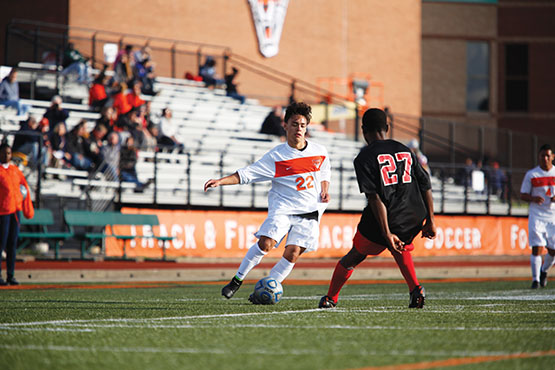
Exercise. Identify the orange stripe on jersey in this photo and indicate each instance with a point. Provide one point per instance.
(543, 181)
(299, 165)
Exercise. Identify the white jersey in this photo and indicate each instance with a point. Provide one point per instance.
(296, 177)
(538, 182)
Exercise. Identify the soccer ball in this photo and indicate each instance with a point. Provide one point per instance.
(268, 291)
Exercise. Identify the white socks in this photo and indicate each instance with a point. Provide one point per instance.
(251, 259)
(547, 262)
(281, 269)
(535, 263)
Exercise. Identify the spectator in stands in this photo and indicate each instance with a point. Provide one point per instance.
(55, 113)
(122, 107)
(168, 131)
(9, 93)
(58, 142)
(208, 73)
(134, 97)
(154, 131)
(231, 86)
(127, 163)
(98, 97)
(15, 195)
(124, 64)
(78, 147)
(107, 118)
(74, 63)
(96, 142)
(111, 154)
(414, 146)
(464, 176)
(27, 140)
(498, 181)
(273, 123)
(144, 70)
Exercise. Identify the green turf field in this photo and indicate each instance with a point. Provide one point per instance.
(193, 327)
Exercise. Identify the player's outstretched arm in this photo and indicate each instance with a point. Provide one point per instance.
(324, 195)
(380, 212)
(232, 179)
(429, 228)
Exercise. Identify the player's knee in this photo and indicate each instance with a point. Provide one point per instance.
(352, 259)
(266, 244)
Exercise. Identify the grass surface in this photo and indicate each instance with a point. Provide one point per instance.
(193, 327)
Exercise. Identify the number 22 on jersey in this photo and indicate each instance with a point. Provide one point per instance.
(302, 184)
(389, 167)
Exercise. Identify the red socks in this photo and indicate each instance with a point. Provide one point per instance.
(339, 278)
(404, 261)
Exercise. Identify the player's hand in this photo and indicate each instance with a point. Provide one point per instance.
(325, 196)
(537, 200)
(429, 230)
(211, 184)
(395, 244)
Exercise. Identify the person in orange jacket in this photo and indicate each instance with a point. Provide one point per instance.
(12, 200)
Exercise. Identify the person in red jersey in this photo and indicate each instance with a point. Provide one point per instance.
(12, 199)
(399, 207)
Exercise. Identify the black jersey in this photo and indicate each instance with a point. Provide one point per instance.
(390, 170)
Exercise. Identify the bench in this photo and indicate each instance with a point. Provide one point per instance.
(42, 219)
(107, 221)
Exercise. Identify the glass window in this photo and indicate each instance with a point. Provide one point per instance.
(477, 71)
(516, 78)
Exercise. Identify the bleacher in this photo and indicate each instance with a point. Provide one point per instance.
(220, 135)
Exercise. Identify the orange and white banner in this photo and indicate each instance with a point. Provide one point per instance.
(230, 233)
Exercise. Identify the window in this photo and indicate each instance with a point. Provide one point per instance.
(477, 71)
(516, 78)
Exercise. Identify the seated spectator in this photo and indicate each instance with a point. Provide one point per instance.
(78, 147)
(273, 123)
(55, 113)
(127, 162)
(9, 93)
(231, 86)
(168, 131)
(144, 70)
(111, 154)
(58, 142)
(27, 140)
(98, 97)
(414, 146)
(107, 118)
(124, 65)
(134, 98)
(208, 73)
(122, 107)
(96, 142)
(74, 63)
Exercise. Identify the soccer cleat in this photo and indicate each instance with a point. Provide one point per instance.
(12, 281)
(229, 290)
(253, 299)
(417, 297)
(543, 279)
(535, 284)
(3, 282)
(326, 302)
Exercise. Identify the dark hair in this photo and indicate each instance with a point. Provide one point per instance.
(374, 120)
(545, 147)
(299, 108)
(4, 145)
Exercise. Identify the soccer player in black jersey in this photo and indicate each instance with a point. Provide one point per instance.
(399, 206)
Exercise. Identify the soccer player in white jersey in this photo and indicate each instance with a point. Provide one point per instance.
(538, 188)
(300, 174)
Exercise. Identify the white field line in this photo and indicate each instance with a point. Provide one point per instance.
(251, 351)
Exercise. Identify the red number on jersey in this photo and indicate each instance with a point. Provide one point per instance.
(389, 177)
(300, 183)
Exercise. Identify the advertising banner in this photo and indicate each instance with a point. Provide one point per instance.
(217, 234)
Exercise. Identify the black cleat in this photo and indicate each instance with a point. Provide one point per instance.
(253, 299)
(12, 281)
(543, 279)
(535, 284)
(229, 290)
(3, 282)
(417, 297)
(326, 302)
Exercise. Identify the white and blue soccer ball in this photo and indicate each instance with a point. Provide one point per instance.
(268, 291)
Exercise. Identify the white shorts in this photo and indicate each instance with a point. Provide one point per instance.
(541, 233)
(300, 231)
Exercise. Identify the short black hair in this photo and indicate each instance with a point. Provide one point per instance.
(299, 108)
(374, 120)
(545, 147)
(4, 145)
